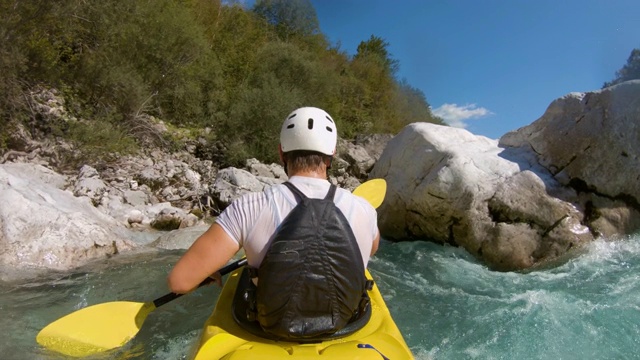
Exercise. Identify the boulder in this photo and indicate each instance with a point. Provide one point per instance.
(450, 186)
(231, 183)
(591, 142)
(535, 195)
(357, 157)
(257, 168)
(359, 160)
(373, 144)
(135, 197)
(38, 174)
(169, 218)
(42, 226)
(90, 184)
(179, 239)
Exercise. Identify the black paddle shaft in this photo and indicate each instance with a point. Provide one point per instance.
(224, 271)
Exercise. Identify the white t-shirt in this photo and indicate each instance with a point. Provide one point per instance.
(252, 219)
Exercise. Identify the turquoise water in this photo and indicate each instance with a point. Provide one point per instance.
(447, 305)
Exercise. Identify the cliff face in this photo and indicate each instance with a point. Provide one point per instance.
(535, 195)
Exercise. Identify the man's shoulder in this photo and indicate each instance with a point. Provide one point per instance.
(251, 199)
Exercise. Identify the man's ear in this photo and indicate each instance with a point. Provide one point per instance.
(328, 161)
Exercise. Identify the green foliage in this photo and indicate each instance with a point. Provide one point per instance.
(13, 62)
(194, 64)
(49, 40)
(97, 141)
(198, 212)
(166, 224)
(256, 118)
(289, 17)
(293, 68)
(153, 50)
(368, 89)
(630, 71)
(375, 49)
(412, 105)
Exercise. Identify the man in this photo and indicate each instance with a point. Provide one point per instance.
(307, 144)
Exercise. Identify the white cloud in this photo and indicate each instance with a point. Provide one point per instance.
(456, 115)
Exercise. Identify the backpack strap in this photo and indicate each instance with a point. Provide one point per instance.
(297, 193)
(331, 193)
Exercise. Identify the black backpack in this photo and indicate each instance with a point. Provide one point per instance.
(312, 280)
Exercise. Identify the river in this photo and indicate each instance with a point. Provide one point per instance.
(447, 305)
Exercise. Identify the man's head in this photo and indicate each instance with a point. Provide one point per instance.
(308, 140)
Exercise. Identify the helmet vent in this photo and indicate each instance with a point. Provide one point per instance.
(309, 129)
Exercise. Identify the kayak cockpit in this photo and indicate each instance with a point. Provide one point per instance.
(223, 338)
(240, 311)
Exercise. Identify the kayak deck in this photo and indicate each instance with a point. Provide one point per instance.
(223, 338)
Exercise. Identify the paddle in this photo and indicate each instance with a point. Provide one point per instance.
(107, 326)
(373, 191)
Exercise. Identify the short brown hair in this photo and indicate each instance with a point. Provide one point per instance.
(304, 160)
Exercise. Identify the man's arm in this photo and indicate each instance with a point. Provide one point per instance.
(210, 252)
(376, 243)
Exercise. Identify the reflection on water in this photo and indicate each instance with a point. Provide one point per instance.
(447, 305)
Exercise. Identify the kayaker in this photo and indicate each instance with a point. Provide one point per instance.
(308, 141)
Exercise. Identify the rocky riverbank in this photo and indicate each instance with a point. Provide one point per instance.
(53, 217)
(531, 197)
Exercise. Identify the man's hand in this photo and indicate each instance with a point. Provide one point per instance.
(217, 278)
(208, 254)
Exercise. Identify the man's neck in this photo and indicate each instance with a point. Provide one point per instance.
(316, 174)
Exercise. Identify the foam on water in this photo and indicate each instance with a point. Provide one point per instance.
(448, 305)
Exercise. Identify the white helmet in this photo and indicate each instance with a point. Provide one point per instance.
(309, 128)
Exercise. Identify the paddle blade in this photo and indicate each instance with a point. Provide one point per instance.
(95, 328)
(373, 191)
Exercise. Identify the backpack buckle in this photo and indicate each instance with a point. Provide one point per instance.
(368, 285)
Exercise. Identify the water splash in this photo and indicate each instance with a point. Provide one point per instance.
(448, 305)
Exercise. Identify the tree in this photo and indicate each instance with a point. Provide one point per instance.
(368, 86)
(376, 48)
(194, 64)
(630, 71)
(12, 62)
(289, 17)
(412, 105)
(255, 117)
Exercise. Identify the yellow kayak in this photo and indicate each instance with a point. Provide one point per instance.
(223, 338)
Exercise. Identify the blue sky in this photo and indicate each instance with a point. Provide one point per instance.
(492, 66)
